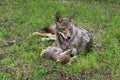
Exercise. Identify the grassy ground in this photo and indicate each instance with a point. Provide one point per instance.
(20, 52)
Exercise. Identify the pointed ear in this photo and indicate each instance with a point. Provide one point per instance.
(68, 52)
(71, 18)
(58, 17)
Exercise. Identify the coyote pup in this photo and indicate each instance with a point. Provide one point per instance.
(57, 54)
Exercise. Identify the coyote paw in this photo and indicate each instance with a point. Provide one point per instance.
(35, 33)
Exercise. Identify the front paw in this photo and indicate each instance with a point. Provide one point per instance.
(43, 52)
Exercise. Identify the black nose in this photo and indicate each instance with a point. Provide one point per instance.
(68, 37)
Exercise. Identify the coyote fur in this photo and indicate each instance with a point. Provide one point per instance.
(68, 36)
(57, 54)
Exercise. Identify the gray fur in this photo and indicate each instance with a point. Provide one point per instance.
(69, 37)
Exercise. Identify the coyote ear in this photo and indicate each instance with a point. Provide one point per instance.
(58, 17)
(71, 18)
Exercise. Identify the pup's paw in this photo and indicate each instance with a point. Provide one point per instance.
(43, 52)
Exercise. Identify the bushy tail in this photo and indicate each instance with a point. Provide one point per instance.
(89, 45)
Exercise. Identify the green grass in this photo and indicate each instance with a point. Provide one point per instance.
(22, 60)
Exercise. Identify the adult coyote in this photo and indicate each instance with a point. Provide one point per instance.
(69, 36)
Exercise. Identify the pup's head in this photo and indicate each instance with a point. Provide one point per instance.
(64, 57)
(64, 28)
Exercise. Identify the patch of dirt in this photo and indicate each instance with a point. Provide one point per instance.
(10, 40)
(104, 74)
(100, 47)
(3, 3)
(2, 56)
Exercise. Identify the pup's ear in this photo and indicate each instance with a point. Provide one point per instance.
(71, 18)
(68, 52)
(58, 17)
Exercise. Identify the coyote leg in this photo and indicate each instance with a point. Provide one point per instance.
(51, 36)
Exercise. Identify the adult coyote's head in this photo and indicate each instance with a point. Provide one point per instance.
(64, 29)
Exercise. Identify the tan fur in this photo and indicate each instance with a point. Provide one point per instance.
(57, 54)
